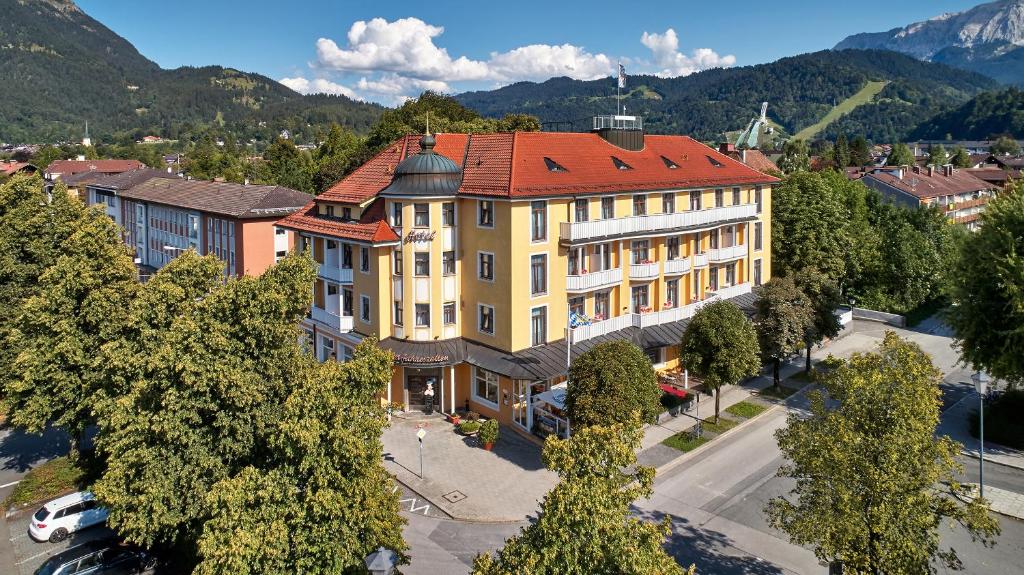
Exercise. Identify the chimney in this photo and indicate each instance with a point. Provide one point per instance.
(948, 170)
(931, 170)
(80, 157)
(246, 182)
(726, 148)
(917, 169)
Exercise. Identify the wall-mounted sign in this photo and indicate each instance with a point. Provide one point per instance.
(420, 237)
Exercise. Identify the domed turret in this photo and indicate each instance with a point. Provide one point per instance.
(426, 174)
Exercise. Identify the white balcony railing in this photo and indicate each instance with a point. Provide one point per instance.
(677, 266)
(644, 271)
(653, 318)
(593, 280)
(726, 254)
(332, 320)
(653, 223)
(700, 260)
(340, 275)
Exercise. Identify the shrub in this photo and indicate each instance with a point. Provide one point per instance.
(472, 416)
(611, 383)
(1003, 424)
(489, 431)
(469, 427)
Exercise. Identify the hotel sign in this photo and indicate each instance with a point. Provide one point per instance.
(420, 237)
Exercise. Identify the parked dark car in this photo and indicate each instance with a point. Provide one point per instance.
(101, 557)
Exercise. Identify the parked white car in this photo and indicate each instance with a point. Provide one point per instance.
(65, 515)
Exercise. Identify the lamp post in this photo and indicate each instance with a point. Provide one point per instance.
(381, 562)
(981, 382)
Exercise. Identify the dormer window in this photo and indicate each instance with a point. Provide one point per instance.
(669, 163)
(619, 164)
(714, 162)
(554, 166)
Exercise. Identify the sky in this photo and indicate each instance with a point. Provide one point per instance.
(388, 51)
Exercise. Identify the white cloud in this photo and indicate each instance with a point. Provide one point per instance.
(665, 49)
(393, 84)
(542, 61)
(319, 86)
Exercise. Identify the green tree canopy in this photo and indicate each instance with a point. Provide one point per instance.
(810, 225)
(795, 157)
(825, 298)
(937, 155)
(585, 525)
(782, 319)
(960, 158)
(720, 347)
(288, 166)
(987, 290)
(860, 152)
(340, 153)
(873, 482)
(842, 152)
(1004, 146)
(900, 156)
(611, 383)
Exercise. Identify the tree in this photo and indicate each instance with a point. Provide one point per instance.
(288, 166)
(1004, 146)
(612, 382)
(340, 153)
(842, 152)
(794, 157)
(960, 158)
(782, 319)
(873, 481)
(900, 156)
(825, 298)
(937, 155)
(987, 290)
(323, 500)
(809, 225)
(860, 152)
(720, 347)
(58, 374)
(585, 525)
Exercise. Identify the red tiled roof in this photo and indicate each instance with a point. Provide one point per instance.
(921, 185)
(12, 167)
(68, 167)
(370, 228)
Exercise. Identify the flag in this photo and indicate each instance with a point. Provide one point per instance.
(622, 76)
(577, 319)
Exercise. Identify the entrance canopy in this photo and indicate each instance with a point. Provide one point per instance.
(554, 396)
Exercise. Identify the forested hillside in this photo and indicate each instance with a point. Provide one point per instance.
(987, 116)
(60, 68)
(800, 91)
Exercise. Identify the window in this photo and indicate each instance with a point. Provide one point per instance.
(607, 208)
(671, 293)
(641, 251)
(655, 355)
(448, 214)
(364, 259)
(757, 235)
(603, 257)
(757, 198)
(577, 256)
(326, 348)
(578, 305)
(422, 264)
(396, 214)
(735, 196)
(696, 285)
(398, 313)
(280, 231)
(714, 239)
(329, 210)
(364, 308)
(485, 385)
(538, 220)
(641, 299)
(398, 261)
(553, 166)
(485, 213)
(668, 203)
(346, 302)
(423, 315)
(448, 263)
(713, 278)
(672, 247)
(640, 205)
(346, 213)
(448, 311)
(279, 254)
(421, 215)
(347, 353)
(346, 256)
(719, 198)
(695, 200)
(485, 317)
(332, 289)
(730, 274)
(485, 267)
(620, 164)
(757, 272)
(602, 305)
(539, 325)
(538, 274)
(581, 210)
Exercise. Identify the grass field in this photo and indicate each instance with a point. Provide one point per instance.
(683, 441)
(746, 409)
(865, 95)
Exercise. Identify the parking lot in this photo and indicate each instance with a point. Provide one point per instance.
(30, 554)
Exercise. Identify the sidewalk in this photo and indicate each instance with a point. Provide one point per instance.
(1001, 501)
(955, 423)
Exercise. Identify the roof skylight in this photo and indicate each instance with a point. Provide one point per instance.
(620, 164)
(554, 166)
(669, 163)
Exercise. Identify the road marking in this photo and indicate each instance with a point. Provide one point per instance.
(50, 551)
(22, 536)
(10, 484)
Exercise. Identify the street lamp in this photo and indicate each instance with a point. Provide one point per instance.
(981, 381)
(381, 562)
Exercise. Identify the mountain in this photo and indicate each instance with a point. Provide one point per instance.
(800, 91)
(60, 68)
(985, 39)
(987, 116)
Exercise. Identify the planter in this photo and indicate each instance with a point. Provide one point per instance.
(455, 419)
(488, 445)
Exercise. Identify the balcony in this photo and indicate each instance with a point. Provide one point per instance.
(644, 271)
(639, 225)
(335, 274)
(677, 266)
(653, 318)
(700, 260)
(593, 280)
(725, 254)
(332, 320)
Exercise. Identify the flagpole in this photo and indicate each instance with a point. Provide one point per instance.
(618, 88)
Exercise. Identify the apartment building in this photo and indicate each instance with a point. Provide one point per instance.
(163, 217)
(960, 194)
(105, 189)
(466, 254)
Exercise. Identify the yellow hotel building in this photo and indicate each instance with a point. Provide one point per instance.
(464, 254)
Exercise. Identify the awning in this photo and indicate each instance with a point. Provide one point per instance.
(554, 396)
(680, 393)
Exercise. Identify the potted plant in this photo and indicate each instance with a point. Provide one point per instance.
(469, 427)
(454, 418)
(489, 433)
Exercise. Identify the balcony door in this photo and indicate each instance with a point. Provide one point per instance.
(601, 258)
(641, 298)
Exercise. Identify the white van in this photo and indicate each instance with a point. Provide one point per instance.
(65, 515)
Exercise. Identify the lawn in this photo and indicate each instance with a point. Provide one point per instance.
(865, 95)
(684, 441)
(722, 426)
(47, 481)
(781, 392)
(746, 409)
